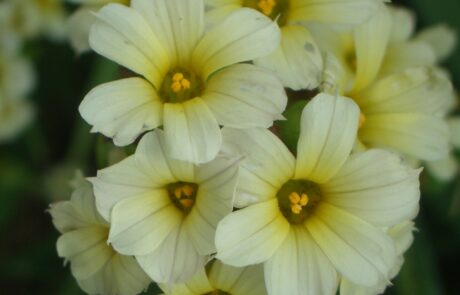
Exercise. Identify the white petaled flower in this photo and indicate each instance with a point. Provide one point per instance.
(165, 211)
(399, 109)
(402, 235)
(298, 61)
(80, 22)
(32, 18)
(191, 82)
(97, 268)
(309, 218)
(221, 279)
(16, 81)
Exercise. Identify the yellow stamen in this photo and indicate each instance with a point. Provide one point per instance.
(294, 198)
(296, 208)
(179, 83)
(186, 202)
(266, 6)
(178, 192)
(362, 120)
(188, 190)
(304, 200)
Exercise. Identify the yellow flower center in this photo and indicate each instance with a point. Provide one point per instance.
(180, 85)
(183, 195)
(277, 10)
(297, 200)
(266, 6)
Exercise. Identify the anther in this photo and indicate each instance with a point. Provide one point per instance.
(266, 6)
(294, 198)
(362, 120)
(304, 200)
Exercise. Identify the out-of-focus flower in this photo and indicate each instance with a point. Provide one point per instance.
(399, 108)
(31, 18)
(80, 22)
(165, 211)
(298, 62)
(402, 235)
(97, 268)
(222, 279)
(191, 81)
(16, 81)
(322, 213)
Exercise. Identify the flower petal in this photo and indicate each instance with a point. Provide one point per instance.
(123, 35)
(454, 124)
(151, 157)
(179, 24)
(122, 109)
(141, 223)
(414, 90)
(421, 136)
(217, 185)
(403, 21)
(346, 12)
(300, 267)
(244, 35)
(238, 280)
(441, 38)
(371, 39)
(191, 131)
(267, 160)
(78, 28)
(198, 284)
(87, 250)
(251, 235)
(297, 62)
(327, 134)
(175, 260)
(245, 96)
(360, 252)
(444, 169)
(376, 187)
(117, 182)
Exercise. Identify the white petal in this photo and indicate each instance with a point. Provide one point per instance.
(403, 55)
(327, 134)
(360, 252)
(198, 284)
(238, 280)
(441, 38)
(175, 260)
(141, 223)
(421, 136)
(444, 169)
(179, 24)
(117, 182)
(403, 235)
(123, 35)
(251, 235)
(245, 96)
(263, 155)
(297, 62)
(86, 249)
(414, 90)
(371, 39)
(454, 124)
(346, 12)
(191, 131)
(217, 185)
(375, 186)
(151, 157)
(122, 109)
(244, 35)
(129, 278)
(403, 21)
(78, 28)
(300, 267)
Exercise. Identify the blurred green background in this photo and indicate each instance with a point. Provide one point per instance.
(35, 170)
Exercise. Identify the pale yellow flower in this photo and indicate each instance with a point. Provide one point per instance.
(32, 18)
(219, 278)
(97, 268)
(164, 211)
(400, 110)
(320, 215)
(298, 61)
(191, 81)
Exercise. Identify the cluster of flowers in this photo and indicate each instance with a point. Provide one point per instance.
(212, 201)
